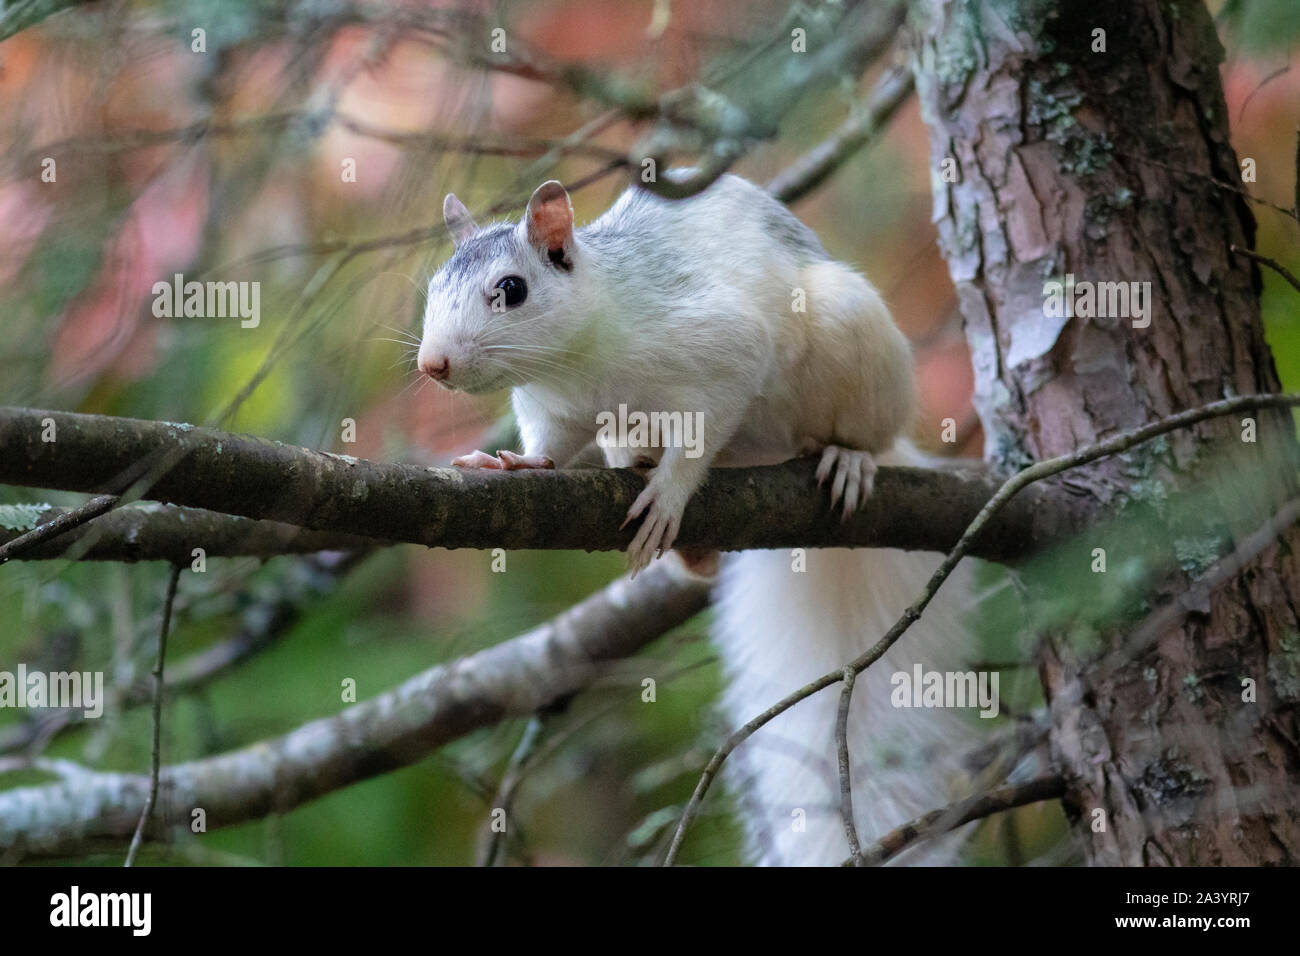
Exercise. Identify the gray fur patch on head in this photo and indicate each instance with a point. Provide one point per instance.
(498, 241)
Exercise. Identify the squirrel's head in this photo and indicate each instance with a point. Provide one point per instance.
(501, 311)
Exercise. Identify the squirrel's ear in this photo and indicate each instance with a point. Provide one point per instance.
(549, 222)
(459, 222)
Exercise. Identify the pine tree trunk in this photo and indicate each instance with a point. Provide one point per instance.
(1070, 159)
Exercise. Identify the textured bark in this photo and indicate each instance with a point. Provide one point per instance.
(1054, 147)
(773, 507)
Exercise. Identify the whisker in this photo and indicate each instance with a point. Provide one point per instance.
(424, 292)
(416, 380)
(405, 333)
(541, 363)
(488, 343)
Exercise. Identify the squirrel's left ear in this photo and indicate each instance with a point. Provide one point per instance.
(460, 223)
(549, 223)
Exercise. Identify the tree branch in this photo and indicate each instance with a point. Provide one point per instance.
(941, 821)
(845, 767)
(155, 532)
(818, 164)
(731, 125)
(155, 761)
(57, 525)
(770, 507)
(513, 679)
(1273, 264)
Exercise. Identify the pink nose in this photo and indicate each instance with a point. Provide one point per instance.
(437, 368)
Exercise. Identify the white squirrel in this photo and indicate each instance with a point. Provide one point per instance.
(693, 306)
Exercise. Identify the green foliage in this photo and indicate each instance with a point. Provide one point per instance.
(1265, 26)
(21, 517)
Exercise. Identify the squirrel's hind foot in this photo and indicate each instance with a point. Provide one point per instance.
(663, 518)
(855, 477)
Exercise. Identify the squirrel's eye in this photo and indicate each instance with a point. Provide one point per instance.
(513, 290)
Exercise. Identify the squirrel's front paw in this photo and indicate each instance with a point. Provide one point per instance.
(855, 476)
(502, 461)
(512, 462)
(659, 530)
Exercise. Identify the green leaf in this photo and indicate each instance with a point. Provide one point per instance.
(21, 517)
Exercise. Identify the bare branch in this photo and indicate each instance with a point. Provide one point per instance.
(725, 128)
(156, 759)
(845, 768)
(57, 526)
(494, 841)
(938, 822)
(315, 123)
(513, 679)
(1273, 264)
(154, 532)
(818, 164)
(1211, 181)
(771, 507)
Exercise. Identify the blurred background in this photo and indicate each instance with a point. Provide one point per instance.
(308, 147)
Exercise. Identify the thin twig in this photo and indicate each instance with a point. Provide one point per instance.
(494, 845)
(818, 164)
(1014, 484)
(938, 822)
(156, 762)
(1271, 263)
(846, 770)
(52, 529)
(313, 122)
(1207, 178)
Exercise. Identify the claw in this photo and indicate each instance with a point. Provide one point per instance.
(855, 474)
(837, 486)
(827, 463)
(656, 534)
(642, 502)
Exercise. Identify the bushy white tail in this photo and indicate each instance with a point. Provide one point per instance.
(779, 628)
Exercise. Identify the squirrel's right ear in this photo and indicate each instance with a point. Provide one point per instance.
(549, 223)
(460, 223)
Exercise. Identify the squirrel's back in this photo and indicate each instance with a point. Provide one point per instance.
(731, 216)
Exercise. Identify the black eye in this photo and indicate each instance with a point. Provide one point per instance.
(513, 290)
